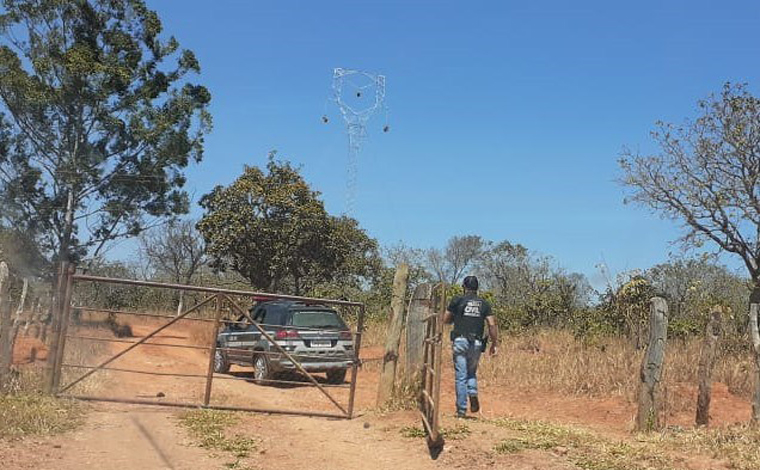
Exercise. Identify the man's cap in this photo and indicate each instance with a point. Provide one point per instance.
(470, 283)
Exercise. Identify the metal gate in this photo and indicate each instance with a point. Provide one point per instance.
(431, 377)
(71, 371)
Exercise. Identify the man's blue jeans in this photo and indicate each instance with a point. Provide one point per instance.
(466, 357)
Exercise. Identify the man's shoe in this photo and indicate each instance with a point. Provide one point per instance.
(474, 404)
(461, 414)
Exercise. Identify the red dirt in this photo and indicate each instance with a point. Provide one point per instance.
(28, 348)
(124, 436)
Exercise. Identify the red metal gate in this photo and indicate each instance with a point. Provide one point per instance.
(431, 377)
(208, 309)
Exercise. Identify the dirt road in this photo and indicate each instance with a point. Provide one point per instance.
(133, 436)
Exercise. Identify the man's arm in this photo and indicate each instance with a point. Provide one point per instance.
(493, 333)
(448, 317)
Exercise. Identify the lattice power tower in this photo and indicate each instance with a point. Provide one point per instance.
(360, 96)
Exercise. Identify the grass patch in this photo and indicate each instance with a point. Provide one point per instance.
(738, 444)
(460, 431)
(584, 449)
(25, 414)
(209, 429)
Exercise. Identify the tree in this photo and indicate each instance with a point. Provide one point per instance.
(176, 251)
(530, 288)
(693, 286)
(274, 231)
(706, 175)
(459, 255)
(98, 121)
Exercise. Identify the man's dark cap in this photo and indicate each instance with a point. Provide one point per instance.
(470, 283)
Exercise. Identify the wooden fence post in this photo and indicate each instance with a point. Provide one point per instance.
(647, 418)
(56, 312)
(755, 335)
(392, 341)
(706, 365)
(419, 308)
(6, 354)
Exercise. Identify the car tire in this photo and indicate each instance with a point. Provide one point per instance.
(261, 370)
(221, 363)
(337, 376)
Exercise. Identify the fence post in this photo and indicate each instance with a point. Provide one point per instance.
(706, 364)
(55, 323)
(6, 353)
(647, 418)
(390, 359)
(419, 308)
(755, 335)
(63, 326)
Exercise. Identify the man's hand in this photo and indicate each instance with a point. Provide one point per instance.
(493, 351)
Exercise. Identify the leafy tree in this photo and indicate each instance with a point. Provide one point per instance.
(692, 286)
(21, 253)
(273, 230)
(529, 288)
(706, 175)
(97, 122)
(627, 306)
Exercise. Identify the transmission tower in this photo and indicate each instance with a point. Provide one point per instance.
(359, 95)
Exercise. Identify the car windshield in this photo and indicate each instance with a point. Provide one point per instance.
(318, 319)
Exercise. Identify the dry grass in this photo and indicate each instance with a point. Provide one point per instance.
(209, 428)
(584, 449)
(28, 414)
(24, 411)
(555, 361)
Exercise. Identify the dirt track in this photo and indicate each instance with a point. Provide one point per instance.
(132, 436)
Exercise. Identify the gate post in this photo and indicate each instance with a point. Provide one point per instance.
(419, 308)
(212, 351)
(54, 328)
(63, 326)
(357, 360)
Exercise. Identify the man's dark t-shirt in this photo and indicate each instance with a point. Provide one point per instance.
(470, 312)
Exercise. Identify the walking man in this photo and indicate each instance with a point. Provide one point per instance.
(468, 313)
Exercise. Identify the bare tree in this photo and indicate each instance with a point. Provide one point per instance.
(175, 251)
(707, 175)
(459, 255)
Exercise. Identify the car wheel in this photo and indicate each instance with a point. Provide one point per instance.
(261, 371)
(337, 376)
(221, 364)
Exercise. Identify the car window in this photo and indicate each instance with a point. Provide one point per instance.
(317, 319)
(258, 314)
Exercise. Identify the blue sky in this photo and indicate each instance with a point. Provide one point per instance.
(507, 118)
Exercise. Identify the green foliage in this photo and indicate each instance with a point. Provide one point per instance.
(22, 254)
(273, 230)
(529, 290)
(98, 121)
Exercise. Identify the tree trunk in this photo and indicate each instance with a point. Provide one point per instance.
(419, 308)
(647, 418)
(19, 312)
(6, 354)
(755, 335)
(706, 364)
(392, 341)
(180, 302)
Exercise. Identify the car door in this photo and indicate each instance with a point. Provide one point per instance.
(242, 338)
